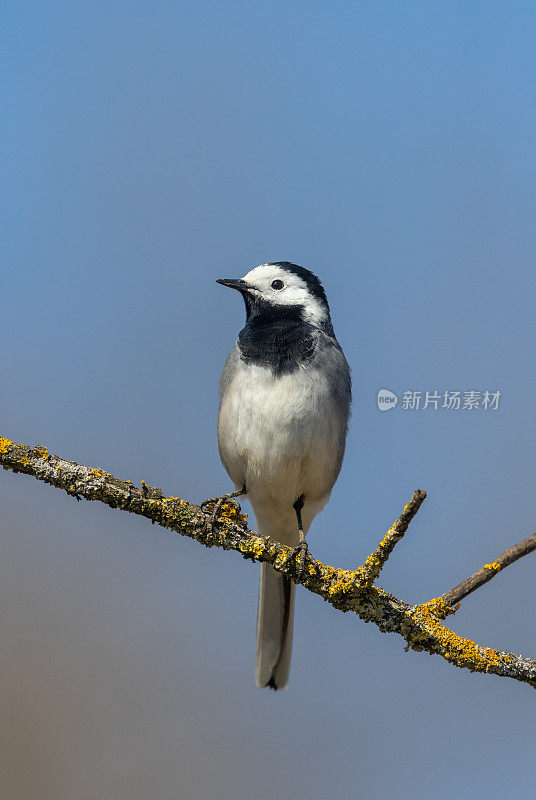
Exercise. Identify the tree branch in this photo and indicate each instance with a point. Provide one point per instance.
(347, 590)
(488, 571)
(375, 562)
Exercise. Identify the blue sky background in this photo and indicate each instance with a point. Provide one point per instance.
(150, 148)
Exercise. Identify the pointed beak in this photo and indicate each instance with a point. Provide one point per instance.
(235, 283)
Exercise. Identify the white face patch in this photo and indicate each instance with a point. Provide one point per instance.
(293, 293)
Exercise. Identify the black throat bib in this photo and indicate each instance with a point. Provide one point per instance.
(276, 337)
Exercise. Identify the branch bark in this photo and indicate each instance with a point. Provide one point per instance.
(488, 571)
(421, 626)
(374, 564)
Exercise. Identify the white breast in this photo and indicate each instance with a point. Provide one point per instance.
(280, 437)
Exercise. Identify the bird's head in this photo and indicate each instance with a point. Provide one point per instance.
(282, 287)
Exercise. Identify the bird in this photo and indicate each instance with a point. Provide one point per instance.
(285, 397)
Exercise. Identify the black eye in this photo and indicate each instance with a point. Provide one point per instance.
(277, 284)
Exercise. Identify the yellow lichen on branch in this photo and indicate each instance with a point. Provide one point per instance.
(347, 590)
(373, 565)
(4, 444)
(462, 652)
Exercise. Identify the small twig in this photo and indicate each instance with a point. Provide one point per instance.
(488, 571)
(376, 561)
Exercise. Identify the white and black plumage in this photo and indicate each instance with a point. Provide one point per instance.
(285, 396)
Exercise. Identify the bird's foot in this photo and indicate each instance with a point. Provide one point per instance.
(219, 502)
(302, 550)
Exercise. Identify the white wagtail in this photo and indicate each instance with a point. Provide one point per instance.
(285, 396)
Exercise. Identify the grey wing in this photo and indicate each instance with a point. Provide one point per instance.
(227, 421)
(229, 370)
(331, 360)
